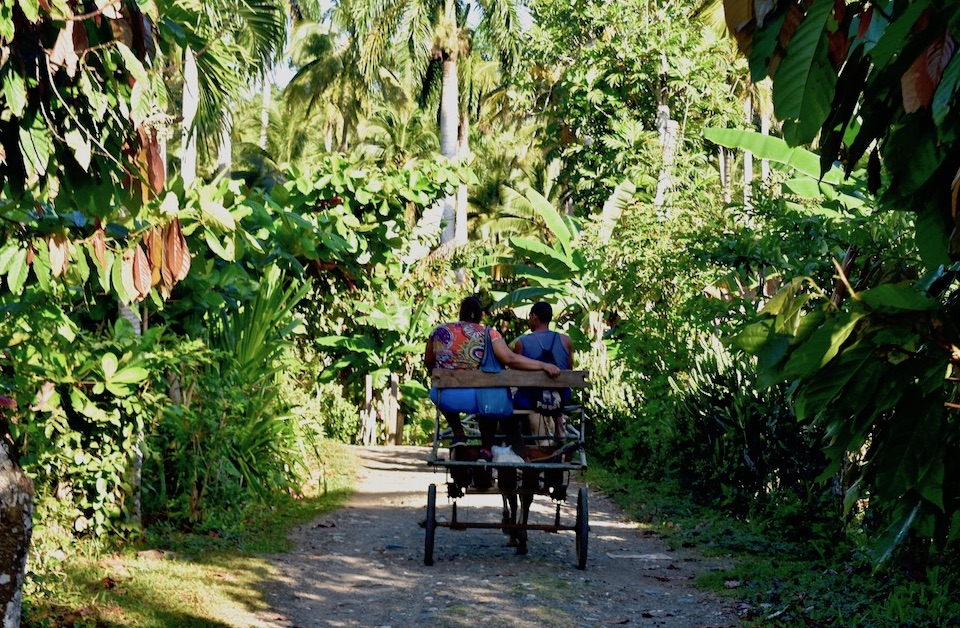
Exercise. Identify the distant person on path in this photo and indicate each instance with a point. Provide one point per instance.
(459, 345)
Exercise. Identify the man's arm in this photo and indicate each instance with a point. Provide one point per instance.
(568, 345)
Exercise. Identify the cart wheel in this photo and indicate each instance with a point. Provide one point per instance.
(583, 527)
(431, 525)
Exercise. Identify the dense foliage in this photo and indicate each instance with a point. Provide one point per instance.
(174, 347)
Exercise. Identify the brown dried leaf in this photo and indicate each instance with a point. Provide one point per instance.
(184, 257)
(153, 240)
(141, 272)
(99, 247)
(920, 81)
(59, 254)
(64, 54)
(172, 257)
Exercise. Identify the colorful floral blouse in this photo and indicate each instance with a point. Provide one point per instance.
(459, 345)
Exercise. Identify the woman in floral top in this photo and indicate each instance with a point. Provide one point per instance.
(460, 345)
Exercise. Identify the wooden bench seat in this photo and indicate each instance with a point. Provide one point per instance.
(472, 378)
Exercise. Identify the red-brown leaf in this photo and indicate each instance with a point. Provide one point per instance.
(184, 256)
(920, 81)
(141, 272)
(59, 250)
(172, 256)
(153, 240)
(99, 247)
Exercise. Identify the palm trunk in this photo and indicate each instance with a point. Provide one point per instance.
(265, 100)
(449, 126)
(748, 157)
(225, 147)
(463, 152)
(191, 102)
(16, 528)
(135, 474)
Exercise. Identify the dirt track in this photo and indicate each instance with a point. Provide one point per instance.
(363, 565)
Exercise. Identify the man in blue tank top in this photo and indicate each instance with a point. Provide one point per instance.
(548, 346)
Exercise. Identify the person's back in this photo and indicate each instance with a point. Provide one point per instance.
(548, 346)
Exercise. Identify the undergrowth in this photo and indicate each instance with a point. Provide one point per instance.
(788, 573)
(173, 577)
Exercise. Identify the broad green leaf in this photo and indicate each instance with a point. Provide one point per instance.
(226, 253)
(130, 375)
(897, 297)
(931, 237)
(896, 33)
(895, 534)
(7, 253)
(946, 91)
(804, 82)
(822, 346)
(214, 209)
(109, 364)
(36, 146)
(31, 9)
(133, 64)
(551, 217)
(19, 269)
(80, 144)
(767, 147)
(15, 90)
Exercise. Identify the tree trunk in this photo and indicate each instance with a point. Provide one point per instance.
(669, 136)
(449, 138)
(191, 102)
(135, 474)
(265, 100)
(748, 157)
(765, 129)
(225, 147)
(16, 528)
(463, 152)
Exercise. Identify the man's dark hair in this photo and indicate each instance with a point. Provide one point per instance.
(543, 311)
(471, 310)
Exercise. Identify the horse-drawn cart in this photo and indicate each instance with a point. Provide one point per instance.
(553, 455)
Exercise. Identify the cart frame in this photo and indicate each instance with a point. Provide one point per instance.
(547, 473)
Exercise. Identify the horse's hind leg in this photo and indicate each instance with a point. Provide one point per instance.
(529, 487)
(507, 479)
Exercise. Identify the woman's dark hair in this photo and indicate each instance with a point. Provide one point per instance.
(471, 310)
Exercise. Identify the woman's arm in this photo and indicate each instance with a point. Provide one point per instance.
(428, 357)
(521, 362)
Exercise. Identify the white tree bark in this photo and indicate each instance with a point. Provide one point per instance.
(449, 139)
(16, 528)
(225, 147)
(669, 137)
(191, 102)
(265, 100)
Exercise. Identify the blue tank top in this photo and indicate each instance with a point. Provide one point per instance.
(545, 346)
(538, 344)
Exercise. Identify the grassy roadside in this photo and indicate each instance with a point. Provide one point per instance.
(213, 578)
(785, 572)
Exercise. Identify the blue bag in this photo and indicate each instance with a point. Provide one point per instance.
(492, 403)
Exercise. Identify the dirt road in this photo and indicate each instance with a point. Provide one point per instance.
(363, 565)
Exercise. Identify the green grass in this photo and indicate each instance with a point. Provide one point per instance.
(214, 578)
(784, 571)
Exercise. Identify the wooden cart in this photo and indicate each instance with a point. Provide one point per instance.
(552, 459)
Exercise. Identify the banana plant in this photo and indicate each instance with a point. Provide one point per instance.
(554, 268)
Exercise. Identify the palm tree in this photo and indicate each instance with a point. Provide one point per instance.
(431, 37)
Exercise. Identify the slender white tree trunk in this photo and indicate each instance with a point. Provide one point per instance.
(765, 129)
(748, 157)
(225, 147)
(265, 100)
(669, 137)
(449, 139)
(16, 528)
(191, 102)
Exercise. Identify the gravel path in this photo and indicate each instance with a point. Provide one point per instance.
(363, 565)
